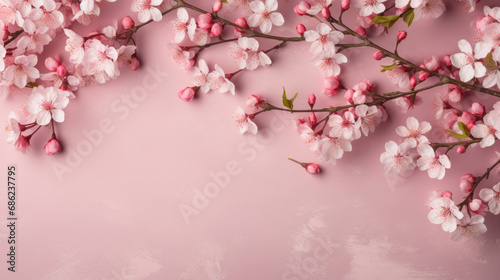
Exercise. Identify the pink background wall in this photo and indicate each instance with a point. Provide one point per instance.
(115, 213)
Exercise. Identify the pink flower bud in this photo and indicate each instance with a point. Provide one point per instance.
(360, 31)
(466, 183)
(311, 99)
(186, 94)
(470, 125)
(413, 82)
(217, 6)
(345, 4)
(325, 12)
(477, 109)
(241, 21)
(461, 149)
(61, 71)
(216, 29)
(446, 194)
(204, 21)
(134, 63)
(52, 147)
(312, 118)
(301, 8)
(423, 76)
(52, 63)
(349, 95)
(300, 29)
(378, 55)
(402, 35)
(312, 168)
(331, 84)
(475, 204)
(128, 23)
(447, 60)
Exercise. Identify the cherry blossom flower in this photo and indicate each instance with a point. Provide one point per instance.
(324, 38)
(492, 197)
(490, 35)
(328, 62)
(49, 16)
(46, 104)
(444, 212)
(147, 9)
(492, 71)
(310, 137)
(467, 60)
(184, 58)
(22, 144)
(218, 81)
(247, 55)
(254, 101)
(9, 14)
(345, 125)
(433, 163)
(125, 54)
(74, 46)
(397, 158)
(180, 25)
(265, 15)
(244, 122)
(22, 71)
(333, 147)
(413, 132)
(100, 60)
(369, 7)
(368, 118)
(432, 64)
(488, 130)
(399, 76)
(197, 35)
(429, 9)
(35, 38)
(405, 103)
(469, 228)
(13, 128)
(200, 74)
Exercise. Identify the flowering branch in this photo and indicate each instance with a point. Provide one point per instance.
(477, 180)
(443, 78)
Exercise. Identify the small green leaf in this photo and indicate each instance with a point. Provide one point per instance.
(464, 129)
(456, 135)
(31, 84)
(224, 1)
(288, 102)
(384, 19)
(387, 21)
(388, 67)
(409, 16)
(489, 63)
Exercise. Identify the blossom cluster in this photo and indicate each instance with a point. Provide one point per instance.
(28, 27)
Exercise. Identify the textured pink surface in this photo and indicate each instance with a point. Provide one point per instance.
(115, 213)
